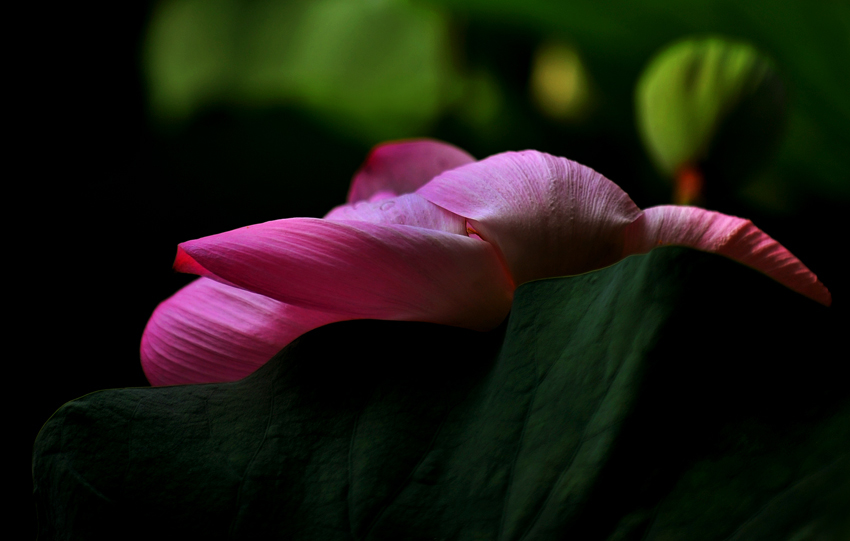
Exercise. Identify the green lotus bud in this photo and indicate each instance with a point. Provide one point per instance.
(709, 104)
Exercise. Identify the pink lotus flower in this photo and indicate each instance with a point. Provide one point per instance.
(428, 234)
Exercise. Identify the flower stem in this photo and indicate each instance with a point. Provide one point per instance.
(688, 186)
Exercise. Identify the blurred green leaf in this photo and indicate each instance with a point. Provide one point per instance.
(674, 395)
(694, 89)
(190, 55)
(373, 70)
(810, 43)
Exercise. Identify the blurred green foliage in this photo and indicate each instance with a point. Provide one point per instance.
(693, 87)
(498, 74)
(810, 42)
(373, 70)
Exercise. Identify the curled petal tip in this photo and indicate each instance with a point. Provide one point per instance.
(184, 263)
(730, 236)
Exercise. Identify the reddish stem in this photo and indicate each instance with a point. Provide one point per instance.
(689, 185)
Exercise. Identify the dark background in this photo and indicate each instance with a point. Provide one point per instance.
(106, 191)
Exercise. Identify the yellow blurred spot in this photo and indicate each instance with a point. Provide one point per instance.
(559, 83)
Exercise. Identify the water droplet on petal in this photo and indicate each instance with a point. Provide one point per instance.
(388, 205)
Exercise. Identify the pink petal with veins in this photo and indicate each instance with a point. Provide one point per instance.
(401, 167)
(361, 270)
(408, 209)
(735, 238)
(548, 216)
(209, 332)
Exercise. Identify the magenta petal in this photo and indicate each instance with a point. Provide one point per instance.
(408, 209)
(209, 332)
(735, 238)
(549, 216)
(401, 167)
(362, 270)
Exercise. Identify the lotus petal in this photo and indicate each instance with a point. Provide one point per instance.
(548, 216)
(401, 167)
(210, 332)
(408, 209)
(735, 238)
(360, 270)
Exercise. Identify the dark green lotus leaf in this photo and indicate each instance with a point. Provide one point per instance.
(675, 395)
